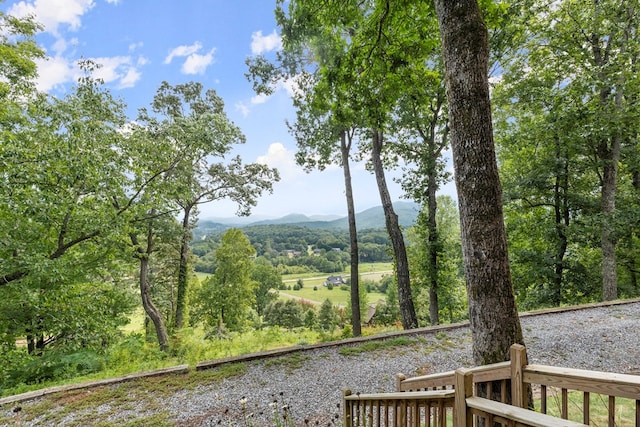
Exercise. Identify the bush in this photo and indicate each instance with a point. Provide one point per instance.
(52, 365)
(287, 314)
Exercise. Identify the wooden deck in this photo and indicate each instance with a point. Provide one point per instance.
(499, 394)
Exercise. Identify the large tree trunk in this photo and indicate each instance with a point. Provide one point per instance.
(609, 239)
(356, 318)
(492, 310)
(405, 300)
(610, 156)
(182, 267)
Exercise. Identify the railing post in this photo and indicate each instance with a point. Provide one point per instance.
(518, 355)
(464, 389)
(346, 408)
(399, 379)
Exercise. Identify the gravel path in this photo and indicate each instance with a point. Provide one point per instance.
(605, 338)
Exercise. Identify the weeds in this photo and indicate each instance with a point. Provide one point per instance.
(376, 345)
(278, 414)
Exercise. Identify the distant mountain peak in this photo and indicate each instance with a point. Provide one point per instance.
(372, 218)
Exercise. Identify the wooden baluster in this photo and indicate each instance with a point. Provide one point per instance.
(586, 397)
(612, 411)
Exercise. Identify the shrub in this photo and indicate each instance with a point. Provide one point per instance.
(287, 314)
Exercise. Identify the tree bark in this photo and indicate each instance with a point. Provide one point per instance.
(493, 315)
(562, 218)
(434, 250)
(356, 318)
(150, 309)
(405, 300)
(181, 298)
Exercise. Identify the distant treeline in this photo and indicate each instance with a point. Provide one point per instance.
(286, 245)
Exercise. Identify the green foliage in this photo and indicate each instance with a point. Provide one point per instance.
(226, 297)
(288, 314)
(269, 282)
(450, 286)
(55, 365)
(274, 241)
(376, 346)
(328, 317)
(560, 138)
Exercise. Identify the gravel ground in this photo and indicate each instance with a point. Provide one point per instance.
(600, 338)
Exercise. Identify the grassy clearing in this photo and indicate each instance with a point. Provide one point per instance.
(337, 296)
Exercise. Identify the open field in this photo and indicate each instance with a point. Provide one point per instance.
(368, 271)
(337, 296)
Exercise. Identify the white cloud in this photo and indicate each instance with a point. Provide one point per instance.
(259, 99)
(53, 72)
(56, 71)
(261, 44)
(130, 78)
(197, 64)
(282, 159)
(242, 107)
(182, 51)
(291, 85)
(135, 46)
(53, 13)
(118, 69)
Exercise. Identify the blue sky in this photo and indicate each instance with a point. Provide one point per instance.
(141, 43)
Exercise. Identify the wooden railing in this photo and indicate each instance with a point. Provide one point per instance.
(428, 408)
(499, 394)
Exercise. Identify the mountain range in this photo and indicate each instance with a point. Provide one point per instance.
(370, 218)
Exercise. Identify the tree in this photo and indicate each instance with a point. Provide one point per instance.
(287, 314)
(268, 281)
(352, 83)
(586, 54)
(63, 180)
(17, 70)
(327, 317)
(194, 124)
(450, 293)
(493, 315)
(143, 250)
(227, 296)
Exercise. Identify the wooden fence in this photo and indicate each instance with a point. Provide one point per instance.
(499, 394)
